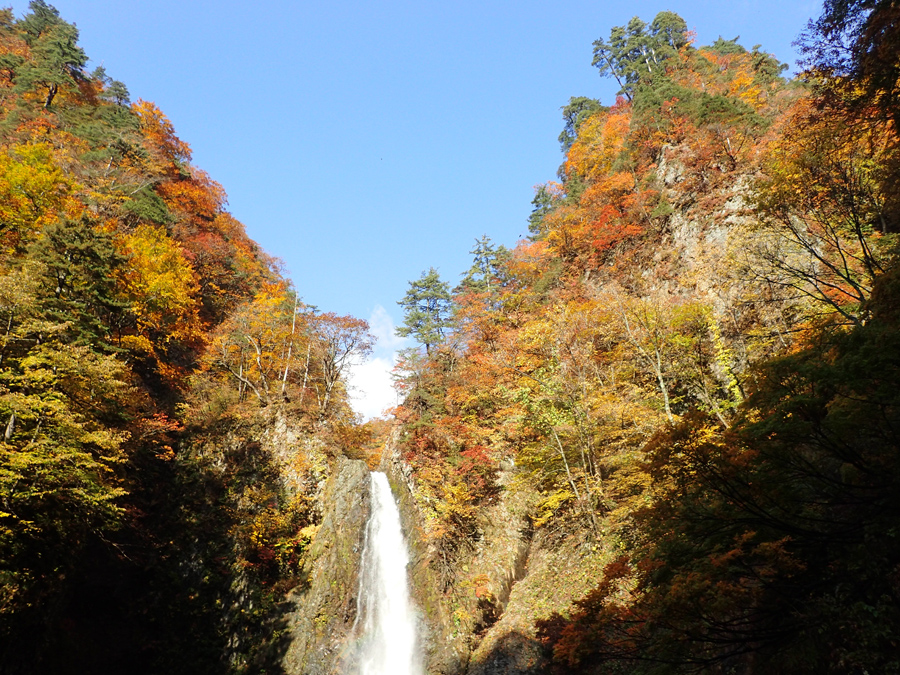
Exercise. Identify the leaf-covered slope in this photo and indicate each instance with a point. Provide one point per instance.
(132, 303)
(713, 221)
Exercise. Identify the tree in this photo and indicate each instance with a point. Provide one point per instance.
(722, 46)
(33, 190)
(638, 51)
(770, 546)
(427, 310)
(43, 17)
(855, 44)
(577, 111)
(171, 155)
(341, 339)
(543, 203)
(57, 60)
(63, 408)
(113, 90)
(254, 346)
(827, 202)
(274, 345)
(80, 268)
(487, 267)
(162, 290)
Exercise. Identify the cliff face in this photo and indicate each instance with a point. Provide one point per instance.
(272, 554)
(477, 617)
(324, 611)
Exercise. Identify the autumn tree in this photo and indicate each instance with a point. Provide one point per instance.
(853, 44)
(757, 548)
(34, 190)
(341, 341)
(161, 288)
(118, 263)
(827, 200)
(575, 112)
(63, 408)
(250, 348)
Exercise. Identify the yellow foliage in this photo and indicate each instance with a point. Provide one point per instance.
(34, 192)
(601, 141)
(550, 504)
(161, 286)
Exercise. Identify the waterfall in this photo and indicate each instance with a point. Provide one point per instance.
(386, 617)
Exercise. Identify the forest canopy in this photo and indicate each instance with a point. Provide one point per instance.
(133, 304)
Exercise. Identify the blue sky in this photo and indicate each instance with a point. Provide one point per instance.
(364, 142)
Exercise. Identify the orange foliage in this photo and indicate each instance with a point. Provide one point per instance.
(601, 141)
(170, 152)
(197, 197)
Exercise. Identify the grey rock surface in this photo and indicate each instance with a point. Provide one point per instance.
(324, 608)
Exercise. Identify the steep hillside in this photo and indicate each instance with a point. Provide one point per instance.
(149, 350)
(628, 440)
(657, 436)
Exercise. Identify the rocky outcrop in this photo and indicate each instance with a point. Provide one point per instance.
(320, 623)
(560, 570)
(458, 611)
(481, 619)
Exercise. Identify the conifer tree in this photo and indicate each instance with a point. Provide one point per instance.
(637, 51)
(427, 310)
(79, 288)
(576, 112)
(57, 60)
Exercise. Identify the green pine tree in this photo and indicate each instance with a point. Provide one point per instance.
(79, 287)
(427, 310)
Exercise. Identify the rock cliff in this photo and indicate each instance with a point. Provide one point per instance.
(480, 619)
(324, 607)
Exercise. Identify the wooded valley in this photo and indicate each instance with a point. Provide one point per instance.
(659, 435)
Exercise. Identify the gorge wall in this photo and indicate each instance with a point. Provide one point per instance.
(324, 607)
(479, 609)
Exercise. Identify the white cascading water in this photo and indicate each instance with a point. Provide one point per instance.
(388, 643)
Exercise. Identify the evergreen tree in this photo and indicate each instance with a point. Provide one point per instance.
(79, 282)
(637, 51)
(486, 270)
(542, 204)
(723, 46)
(113, 90)
(427, 310)
(57, 60)
(577, 111)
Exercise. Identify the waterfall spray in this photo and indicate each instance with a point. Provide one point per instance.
(386, 617)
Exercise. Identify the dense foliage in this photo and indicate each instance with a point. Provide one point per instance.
(691, 361)
(690, 366)
(132, 303)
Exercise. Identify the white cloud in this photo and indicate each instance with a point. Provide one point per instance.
(371, 386)
(382, 327)
(372, 389)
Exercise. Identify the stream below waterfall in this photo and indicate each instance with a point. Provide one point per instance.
(386, 619)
